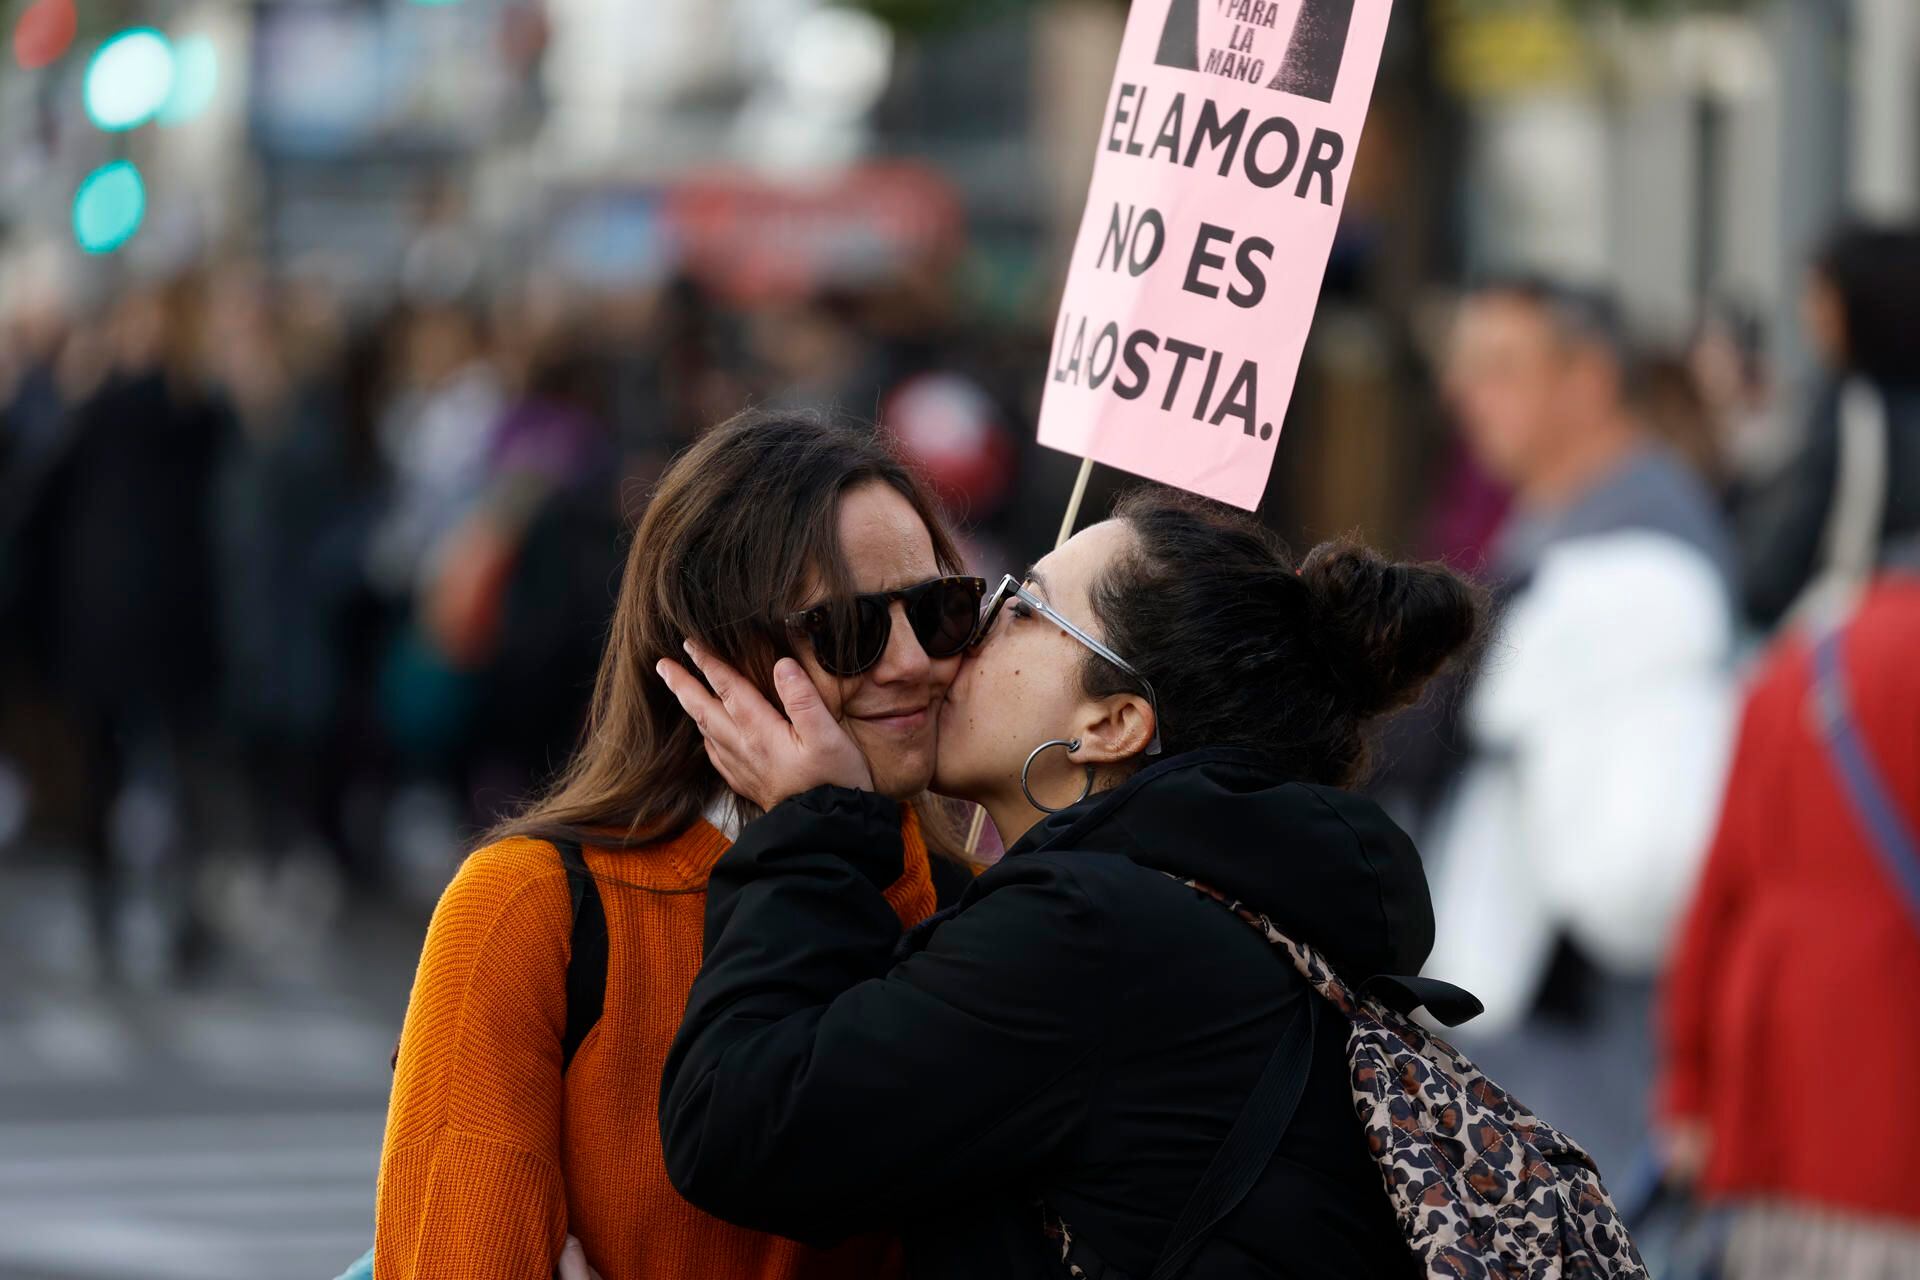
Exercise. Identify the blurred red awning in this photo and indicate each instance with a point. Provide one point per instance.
(754, 240)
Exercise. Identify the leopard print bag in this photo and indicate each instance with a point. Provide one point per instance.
(1483, 1189)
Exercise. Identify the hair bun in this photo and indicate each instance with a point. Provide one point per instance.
(1386, 628)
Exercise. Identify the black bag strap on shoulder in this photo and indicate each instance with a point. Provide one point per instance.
(587, 955)
(1250, 1144)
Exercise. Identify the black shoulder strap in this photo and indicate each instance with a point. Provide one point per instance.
(587, 955)
(1250, 1144)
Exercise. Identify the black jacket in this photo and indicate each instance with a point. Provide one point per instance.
(1080, 1028)
(131, 516)
(1783, 519)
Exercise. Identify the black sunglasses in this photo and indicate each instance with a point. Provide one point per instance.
(943, 613)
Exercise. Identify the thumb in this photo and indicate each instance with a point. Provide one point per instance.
(573, 1263)
(800, 699)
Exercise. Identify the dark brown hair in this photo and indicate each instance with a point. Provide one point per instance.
(1244, 649)
(737, 526)
(1875, 271)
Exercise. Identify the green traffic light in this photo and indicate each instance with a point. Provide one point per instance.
(128, 79)
(196, 75)
(109, 206)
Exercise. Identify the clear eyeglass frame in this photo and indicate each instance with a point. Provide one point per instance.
(1011, 588)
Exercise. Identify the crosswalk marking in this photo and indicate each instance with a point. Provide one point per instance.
(175, 1168)
(255, 1196)
(311, 1050)
(225, 1130)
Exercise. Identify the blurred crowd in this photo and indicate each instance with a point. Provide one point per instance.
(297, 589)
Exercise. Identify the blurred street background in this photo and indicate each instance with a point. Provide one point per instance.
(341, 340)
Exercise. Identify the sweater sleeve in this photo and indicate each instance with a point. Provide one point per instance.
(816, 1088)
(470, 1180)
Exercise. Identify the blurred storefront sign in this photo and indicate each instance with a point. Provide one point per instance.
(610, 239)
(331, 78)
(752, 241)
(1499, 48)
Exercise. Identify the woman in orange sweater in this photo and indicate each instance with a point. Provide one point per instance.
(775, 535)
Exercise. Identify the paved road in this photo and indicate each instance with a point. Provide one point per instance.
(229, 1133)
(270, 1192)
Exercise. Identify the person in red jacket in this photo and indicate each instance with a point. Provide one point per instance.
(1790, 1028)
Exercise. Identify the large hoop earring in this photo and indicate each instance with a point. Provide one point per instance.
(1071, 746)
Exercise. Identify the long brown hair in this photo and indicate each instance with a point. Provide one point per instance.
(726, 547)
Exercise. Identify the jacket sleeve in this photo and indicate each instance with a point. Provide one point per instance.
(815, 1088)
(470, 1175)
(1614, 699)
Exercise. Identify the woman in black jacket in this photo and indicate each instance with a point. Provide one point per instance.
(1164, 696)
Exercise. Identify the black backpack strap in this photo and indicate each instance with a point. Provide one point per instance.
(587, 955)
(1250, 1144)
(1403, 993)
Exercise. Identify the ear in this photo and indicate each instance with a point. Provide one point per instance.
(1115, 729)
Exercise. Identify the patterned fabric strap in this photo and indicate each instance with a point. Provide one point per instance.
(1312, 966)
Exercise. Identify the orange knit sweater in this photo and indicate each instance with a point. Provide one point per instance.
(492, 1156)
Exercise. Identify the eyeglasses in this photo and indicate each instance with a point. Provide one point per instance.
(850, 635)
(1011, 588)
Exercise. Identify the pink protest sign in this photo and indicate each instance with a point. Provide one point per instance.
(1229, 137)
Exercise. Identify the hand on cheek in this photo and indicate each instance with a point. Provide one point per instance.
(759, 754)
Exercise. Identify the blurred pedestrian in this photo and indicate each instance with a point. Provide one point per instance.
(1854, 483)
(298, 499)
(33, 330)
(1596, 730)
(436, 436)
(34, 326)
(1794, 978)
(526, 586)
(136, 608)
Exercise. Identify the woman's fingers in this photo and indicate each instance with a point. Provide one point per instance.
(743, 702)
(800, 699)
(742, 699)
(724, 679)
(701, 707)
(729, 745)
(727, 684)
(727, 765)
(824, 752)
(756, 751)
(573, 1263)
